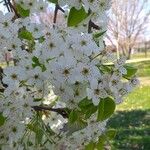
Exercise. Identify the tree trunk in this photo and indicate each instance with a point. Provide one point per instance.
(129, 53)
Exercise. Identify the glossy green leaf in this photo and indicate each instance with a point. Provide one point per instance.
(85, 103)
(73, 116)
(38, 99)
(76, 16)
(2, 119)
(91, 110)
(22, 12)
(131, 71)
(108, 135)
(105, 109)
(90, 146)
(101, 142)
(41, 39)
(53, 1)
(24, 34)
(78, 125)
(37, 130)
(39, 135)
(99, 34)
(87, 107)
(36, 63)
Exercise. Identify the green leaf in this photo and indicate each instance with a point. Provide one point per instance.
(87, 107)
(76, 16)
(39, 135)
(105, 109)
(2, 119)
(37, 130)
(41, 39)
(101, 142)
(78, 125)
(38, 99)
(111, 133)
(99, 34)
(24, 34)
(108, 135)
(85, 103)
(37, 63)
(105, 68)
(90, 146)
(131, 71)
(22, 12)
(73, 116)
(89, 111)
(53, 1)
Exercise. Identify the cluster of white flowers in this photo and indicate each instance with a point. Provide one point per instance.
(61, 62)
(94, 5)
(35, 6)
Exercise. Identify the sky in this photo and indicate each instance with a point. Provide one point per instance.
(2, 8)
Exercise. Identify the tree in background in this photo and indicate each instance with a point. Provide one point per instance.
(128, 21)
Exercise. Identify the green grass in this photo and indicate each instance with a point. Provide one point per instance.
(140, 55)
(143, 68)
(138, 99)
(132, 121)
(133, 130)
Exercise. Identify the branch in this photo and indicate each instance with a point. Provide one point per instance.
(55, 14)
(61, 111)
(94, 26)
(60, 9)
(57, 7)
(7, 5)
(12, 6)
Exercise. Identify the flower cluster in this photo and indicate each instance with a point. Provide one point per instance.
(60, 78)
(94, 5)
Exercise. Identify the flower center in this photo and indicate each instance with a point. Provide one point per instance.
(96, 91)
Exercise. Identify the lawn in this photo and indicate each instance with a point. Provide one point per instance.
(140, 55)
(132, 117)
(143, 68)
(138, 99)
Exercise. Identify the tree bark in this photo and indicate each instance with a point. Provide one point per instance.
(129, 53)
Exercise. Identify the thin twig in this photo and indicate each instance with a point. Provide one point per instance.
(55, 13)
(60, 111)
(93, 25)
(7, 5)
(13, 8)
(57, 7)
(62, 10)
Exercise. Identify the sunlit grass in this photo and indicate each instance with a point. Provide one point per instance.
(143, 68)
(140, 55)
(138, 99)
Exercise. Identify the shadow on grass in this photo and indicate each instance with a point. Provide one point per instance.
(133, 130)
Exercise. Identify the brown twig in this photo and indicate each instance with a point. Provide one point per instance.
(92, 25)
(61, 111)
(12, 6)
(57, 7)
(6, 4)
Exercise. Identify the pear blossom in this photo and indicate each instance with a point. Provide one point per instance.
(59, 76)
